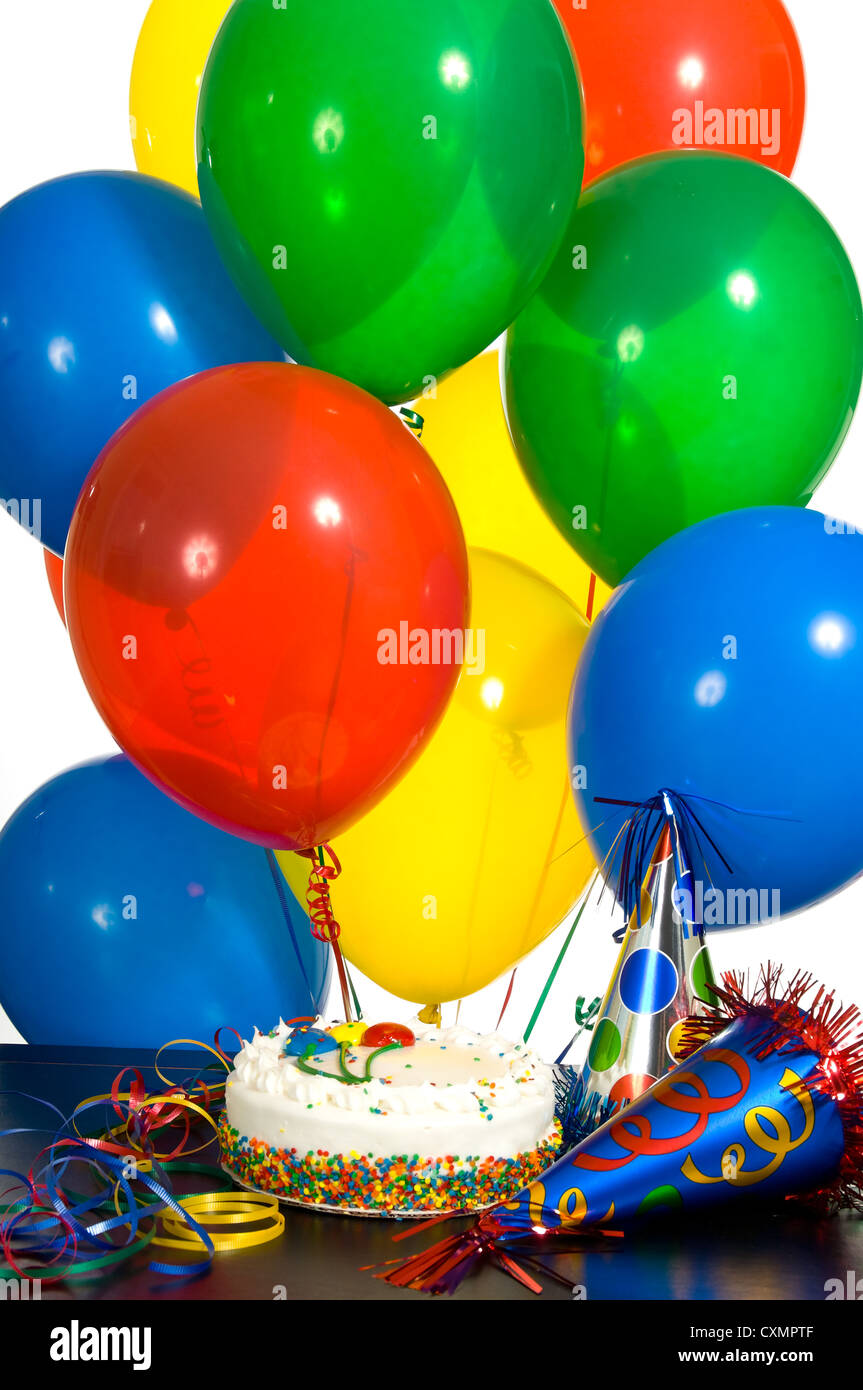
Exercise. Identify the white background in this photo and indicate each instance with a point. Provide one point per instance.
(64, 75)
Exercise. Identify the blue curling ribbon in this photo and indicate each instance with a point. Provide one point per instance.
(39, 1234)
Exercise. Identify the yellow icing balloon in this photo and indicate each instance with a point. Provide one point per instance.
(477, 854)
(466, 434)
(348, 1032)
(170, 58)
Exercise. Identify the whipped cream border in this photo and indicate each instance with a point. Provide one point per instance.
(262, 1066)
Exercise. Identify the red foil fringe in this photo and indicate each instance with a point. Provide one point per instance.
(801, 1016)
(441, 1268)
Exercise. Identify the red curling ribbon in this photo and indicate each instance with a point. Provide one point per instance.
(49, 1232)
(591, 598)
(323, 919)
(321, 915)
(218, 1046)
(508, 996)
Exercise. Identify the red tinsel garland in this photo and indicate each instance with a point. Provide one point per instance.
(832, 1031)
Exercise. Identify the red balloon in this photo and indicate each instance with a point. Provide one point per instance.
(241, 554)
(54, 571)
(676, 74)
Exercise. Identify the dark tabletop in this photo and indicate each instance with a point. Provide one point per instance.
(762, 1256)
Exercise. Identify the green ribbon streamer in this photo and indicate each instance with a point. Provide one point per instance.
(357, 1007)
(540, 1005)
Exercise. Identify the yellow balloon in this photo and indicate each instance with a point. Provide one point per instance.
(477, 854)
(170, 58)
(465, 432)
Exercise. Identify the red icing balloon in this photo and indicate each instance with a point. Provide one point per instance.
(383, 1034)
(687, 74)
(239, 552)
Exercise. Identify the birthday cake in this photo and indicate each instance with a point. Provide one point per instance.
(388, 1120)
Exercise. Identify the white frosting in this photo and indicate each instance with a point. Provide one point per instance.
(453, 1092)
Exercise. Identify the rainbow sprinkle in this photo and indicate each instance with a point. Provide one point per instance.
(400, 1184)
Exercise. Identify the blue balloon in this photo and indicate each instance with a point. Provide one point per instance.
(127, 922)
(727, 669)
(111, 290)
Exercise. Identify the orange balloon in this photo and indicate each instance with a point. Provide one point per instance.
(54, 571)
(721, 75)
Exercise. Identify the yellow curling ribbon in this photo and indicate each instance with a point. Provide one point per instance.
(259, 1211)
(187, 1042)
(215, 1209)
(223, 1209)
(120, 1133)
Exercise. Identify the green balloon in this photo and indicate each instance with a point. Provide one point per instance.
(696, 347)
(388, 182)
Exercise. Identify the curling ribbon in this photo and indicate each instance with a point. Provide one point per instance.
(323, 919)
(68, 1233)
(414, 421)
(591, 598)
(540, 1004)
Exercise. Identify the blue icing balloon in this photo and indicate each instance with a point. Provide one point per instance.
(648, 982)
(301, 1040)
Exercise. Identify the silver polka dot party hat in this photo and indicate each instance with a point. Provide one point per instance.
(662, 977)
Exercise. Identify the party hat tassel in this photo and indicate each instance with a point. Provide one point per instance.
(663, 975)
(441, 1268)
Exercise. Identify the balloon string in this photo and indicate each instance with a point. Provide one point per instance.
(540, 1003)
(584, 1017)
(321, 914)
(357, 1005)
(206, 704)
(591, 598)
(351, 576)
(613, 403)
(505, 1005)
(278, 884)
